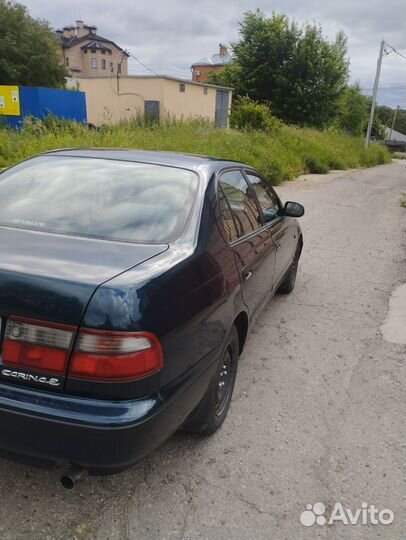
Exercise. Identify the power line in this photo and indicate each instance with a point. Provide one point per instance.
(380, 90)
(386, 87)
(394, 50)
(142, 63)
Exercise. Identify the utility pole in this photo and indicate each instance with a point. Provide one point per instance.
(376, 83)
(393, 121)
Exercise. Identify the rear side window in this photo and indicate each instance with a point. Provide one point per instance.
(101, 198)
(227, 217)
(241, 201)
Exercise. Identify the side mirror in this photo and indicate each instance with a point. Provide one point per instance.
(293, 209)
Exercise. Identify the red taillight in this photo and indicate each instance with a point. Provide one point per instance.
(97, 355)
(37, 345)
(115, 356)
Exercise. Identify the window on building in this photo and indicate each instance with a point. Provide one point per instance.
(67, 61)
(182, 87)
(103, 63)
(94, 63)
(103, 51)
(93, 51)
(205, 90)
(85, 51)
(111, 67)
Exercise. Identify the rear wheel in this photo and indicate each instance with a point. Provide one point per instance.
(212, 410)
(288, 283)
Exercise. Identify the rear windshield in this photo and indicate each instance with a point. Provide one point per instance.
(102, 198)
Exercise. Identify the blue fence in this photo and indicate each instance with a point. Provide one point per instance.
(41, 102)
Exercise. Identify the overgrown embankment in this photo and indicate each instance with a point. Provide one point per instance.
(280, 156)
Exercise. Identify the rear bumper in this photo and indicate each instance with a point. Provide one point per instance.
(100, 435)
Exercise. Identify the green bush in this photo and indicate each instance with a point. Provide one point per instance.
(247, 114)
(315, 165)
(281, 156)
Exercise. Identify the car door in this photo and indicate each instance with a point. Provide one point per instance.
(278, 225)
(249, 238)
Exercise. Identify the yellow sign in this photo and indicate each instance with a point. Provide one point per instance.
(9, 101)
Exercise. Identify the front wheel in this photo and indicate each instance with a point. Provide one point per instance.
(212, 410)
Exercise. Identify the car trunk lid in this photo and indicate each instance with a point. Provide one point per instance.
(52, 277)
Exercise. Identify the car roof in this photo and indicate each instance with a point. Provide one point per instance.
(174, 159)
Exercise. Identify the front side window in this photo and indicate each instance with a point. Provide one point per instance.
(94, 63)
(242, 202)
(102, 198)
(267, 200)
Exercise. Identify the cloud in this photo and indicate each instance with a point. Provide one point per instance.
(170, 36)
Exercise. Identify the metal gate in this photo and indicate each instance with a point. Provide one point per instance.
(221, 108)
(151, 111)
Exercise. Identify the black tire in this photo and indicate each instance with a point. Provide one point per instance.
(212, 410)
(288, 283)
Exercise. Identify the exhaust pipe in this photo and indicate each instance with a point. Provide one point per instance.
(72, 476)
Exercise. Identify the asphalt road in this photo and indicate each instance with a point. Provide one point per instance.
(318, 413)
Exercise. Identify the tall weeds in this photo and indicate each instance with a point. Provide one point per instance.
(280, 156)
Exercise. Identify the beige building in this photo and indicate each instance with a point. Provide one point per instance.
(203, 68)
(86, 54)
(116, 99)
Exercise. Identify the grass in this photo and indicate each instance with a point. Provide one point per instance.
(281, 156)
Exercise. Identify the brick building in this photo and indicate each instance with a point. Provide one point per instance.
(203, 68)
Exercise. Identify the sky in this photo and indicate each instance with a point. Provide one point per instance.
(168, 36)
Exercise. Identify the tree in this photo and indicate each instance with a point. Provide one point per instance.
(353, 111)
(353, 114)
(385, 115)
(293, 67)
(29, 51)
